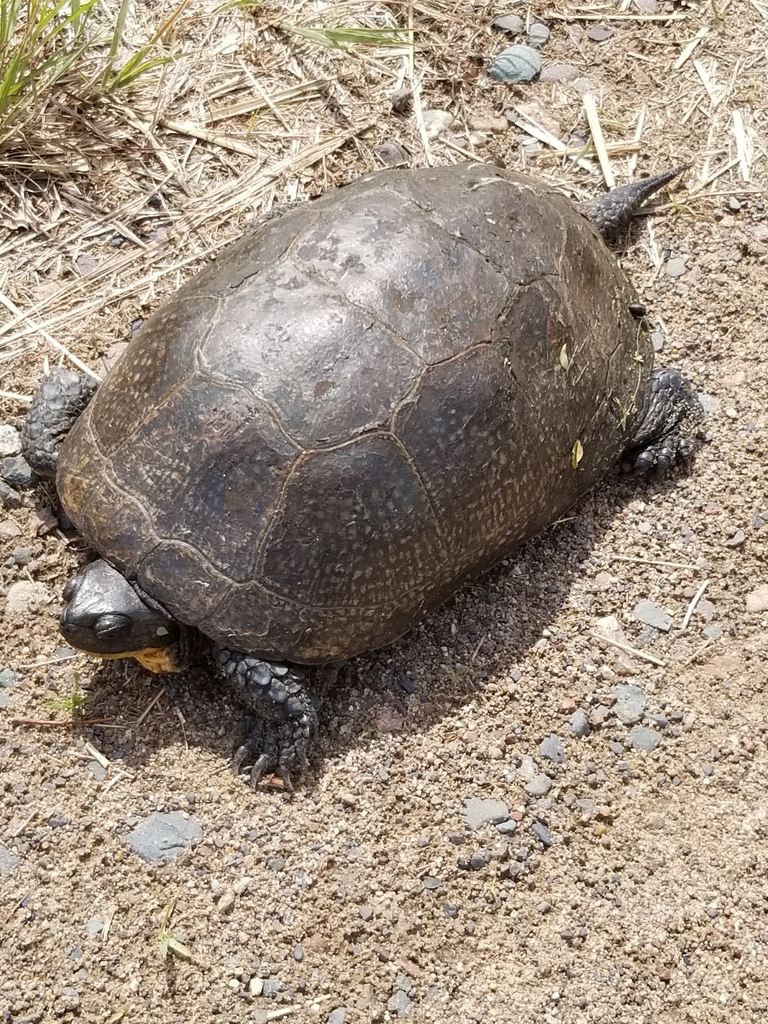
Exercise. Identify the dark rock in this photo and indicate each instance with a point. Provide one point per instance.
(543, 834)
(18, 473)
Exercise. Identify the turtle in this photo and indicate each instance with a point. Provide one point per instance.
(359, 406)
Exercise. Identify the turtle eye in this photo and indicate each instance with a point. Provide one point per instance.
(112, 627)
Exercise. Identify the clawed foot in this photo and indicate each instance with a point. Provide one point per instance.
(271, 748)
(275, 740)
(668, 430)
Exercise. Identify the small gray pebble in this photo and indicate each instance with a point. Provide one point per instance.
(276, 863)
(97, 771)
(22, 556)
(552, 748)
(630, 703)
(382, 774)
(478, 812)
(675, 267)
(337, 1016)
(10, 440)
(507, 828)
(652, 614)
(298, 953)
(451, 910)
(736, 540)
(401, 100)
(407, 684)
(658, 721)
(543, 834)
(515, 674)
(559, 73)
(515, 65)
(7, 678)
(393, 154)
(538, 35)
(271, 988)
(599, 33)
(7, 861)
(658, 340)
(430, 884)
(25, 597)
(162, 837)
(9, 497)
(616, 748)
(400, 1003)
(579, 724)
(707, 770)
(18, 473)
(510, 23)
(644, 739)
(734, 205)
(94, 926)
(438, 121)
(712, 632)
(539, 785)
(479, 860)
(457, 838)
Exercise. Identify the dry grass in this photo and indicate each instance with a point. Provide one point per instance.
(110, 199)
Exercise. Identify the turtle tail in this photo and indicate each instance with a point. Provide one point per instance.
(612, 212)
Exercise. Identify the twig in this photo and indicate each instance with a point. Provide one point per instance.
(590, 109)
(694, 601)
(73, 724)
(630, 650)
(97, 755)
(705, 646)
(689, 48)
(149, 706)
(607, 16)
(655, 561)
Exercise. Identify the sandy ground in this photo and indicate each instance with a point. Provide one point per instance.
(632, 885)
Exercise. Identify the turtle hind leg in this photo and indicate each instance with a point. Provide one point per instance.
(278, 739)
(669, 427)
(61, 398)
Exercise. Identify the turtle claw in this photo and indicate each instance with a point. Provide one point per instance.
(278, 736)
(272, 749)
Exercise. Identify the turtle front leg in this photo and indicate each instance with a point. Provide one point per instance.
(61, 398)
(668, 429)
(279, 738)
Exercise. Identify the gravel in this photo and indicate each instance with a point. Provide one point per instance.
(478, 812)
(539, 785)
(630, 703)
(10, 440)
(161, 838)
(551, 748)
(18, 474)
(8, 861)
(642, 738)
(652, 614)
(579, 724)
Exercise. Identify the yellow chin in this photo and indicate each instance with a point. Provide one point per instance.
(156, 659)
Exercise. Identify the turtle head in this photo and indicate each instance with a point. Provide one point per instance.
(103, 615)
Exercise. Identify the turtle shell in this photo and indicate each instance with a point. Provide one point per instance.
(359, 406)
